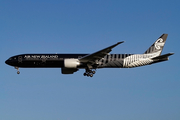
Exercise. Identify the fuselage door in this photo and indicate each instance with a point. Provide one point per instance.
(20, 59)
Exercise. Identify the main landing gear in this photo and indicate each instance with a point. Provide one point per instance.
(89, 73)
(18, 72)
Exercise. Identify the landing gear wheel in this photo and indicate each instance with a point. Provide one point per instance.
(85, 74)
(91, 75)
(17, 70)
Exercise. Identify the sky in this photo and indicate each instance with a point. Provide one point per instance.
(85, 26)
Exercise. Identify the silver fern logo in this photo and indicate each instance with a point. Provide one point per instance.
(159, 43)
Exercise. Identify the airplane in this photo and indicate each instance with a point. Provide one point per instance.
(70, 63)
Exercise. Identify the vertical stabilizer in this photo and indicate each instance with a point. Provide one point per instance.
(157, 46)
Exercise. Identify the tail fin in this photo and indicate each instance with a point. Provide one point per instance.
(157, 46)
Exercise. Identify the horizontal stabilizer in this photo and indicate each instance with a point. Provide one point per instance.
(165, 56)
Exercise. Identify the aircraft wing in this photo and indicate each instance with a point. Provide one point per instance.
(99, 54)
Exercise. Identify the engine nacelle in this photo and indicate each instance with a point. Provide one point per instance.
(68, 70)
(71, 63)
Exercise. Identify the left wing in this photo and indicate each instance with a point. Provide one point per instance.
(98, 55)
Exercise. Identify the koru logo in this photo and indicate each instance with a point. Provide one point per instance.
(159, 43)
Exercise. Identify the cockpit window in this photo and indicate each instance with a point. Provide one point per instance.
(10, 58)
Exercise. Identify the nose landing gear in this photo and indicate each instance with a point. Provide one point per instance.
(18, 72)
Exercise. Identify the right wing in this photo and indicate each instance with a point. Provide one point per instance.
(91, 58)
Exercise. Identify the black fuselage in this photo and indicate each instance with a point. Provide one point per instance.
(41, 60)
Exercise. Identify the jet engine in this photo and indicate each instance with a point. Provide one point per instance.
(68, 70)
(71, 63)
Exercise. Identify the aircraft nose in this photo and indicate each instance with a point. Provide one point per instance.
(7, 62)
(11, 61)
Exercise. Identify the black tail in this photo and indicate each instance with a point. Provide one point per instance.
(157, 46)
